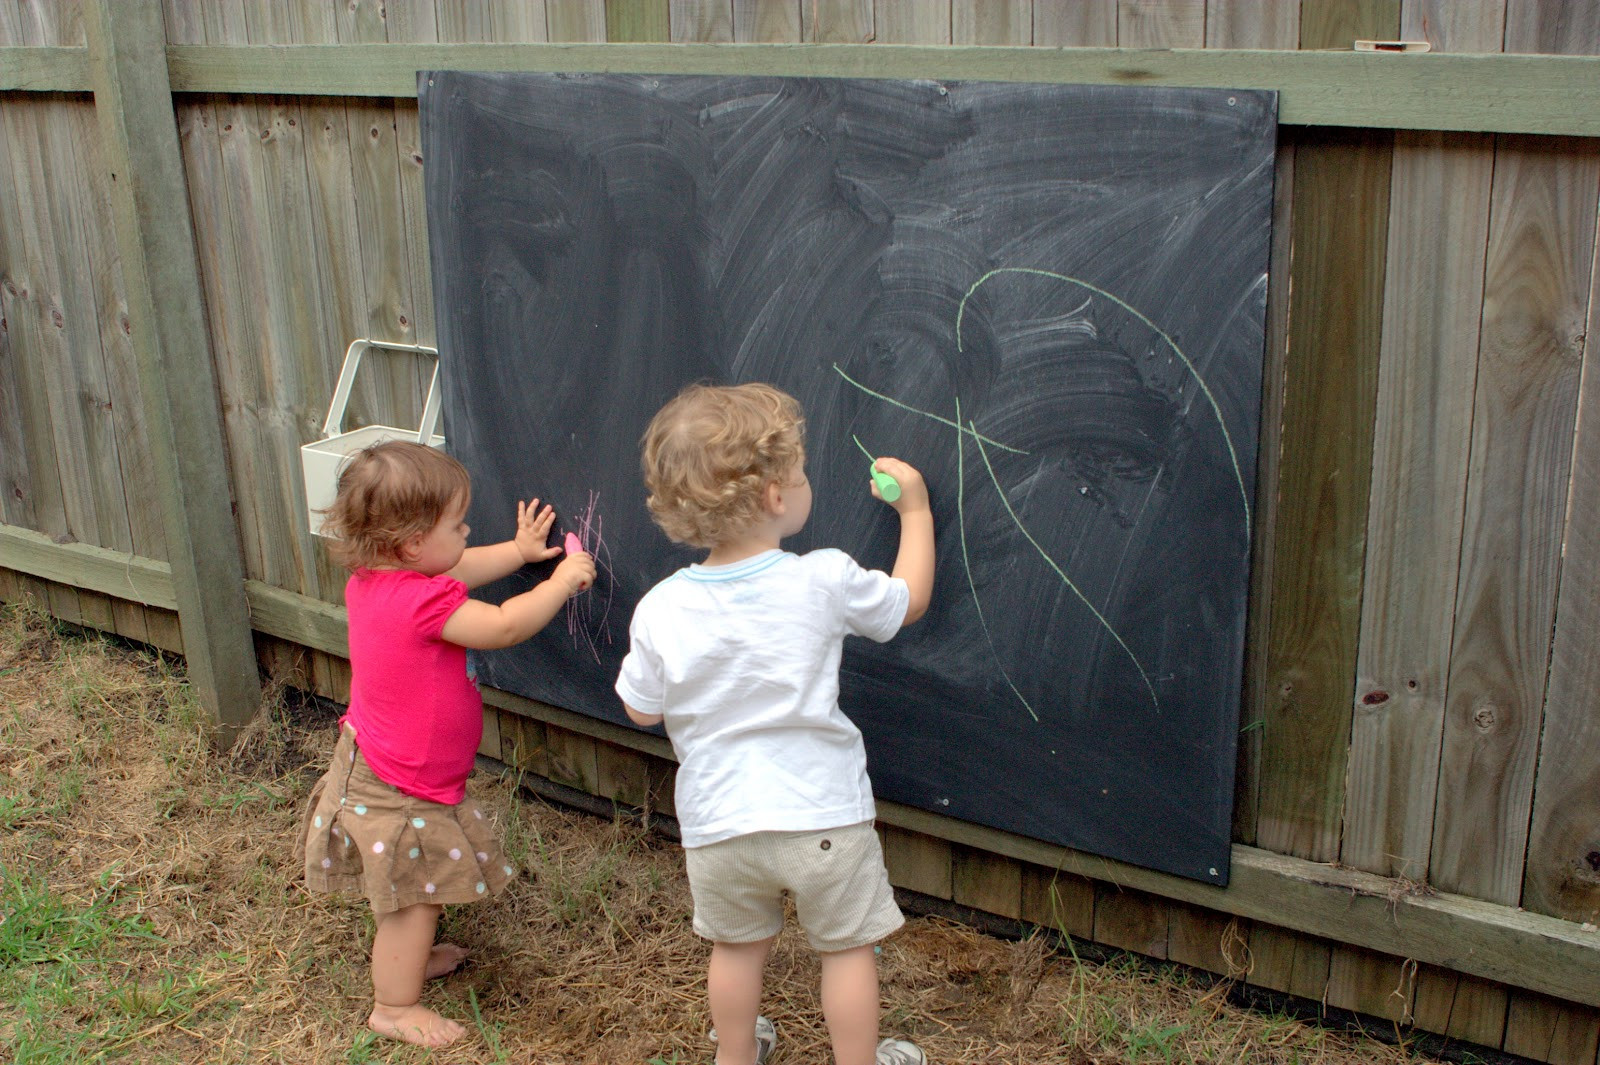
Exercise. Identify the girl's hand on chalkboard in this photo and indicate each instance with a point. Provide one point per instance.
(913, 493)
(533, 530)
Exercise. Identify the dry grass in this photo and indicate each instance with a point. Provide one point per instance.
(151, 911)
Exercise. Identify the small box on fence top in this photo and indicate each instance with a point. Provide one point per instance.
(320, 460)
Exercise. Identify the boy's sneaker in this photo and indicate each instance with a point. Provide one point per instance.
(900, 1052)
(767, 1038)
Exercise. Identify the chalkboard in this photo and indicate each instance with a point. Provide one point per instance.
(1049, 298)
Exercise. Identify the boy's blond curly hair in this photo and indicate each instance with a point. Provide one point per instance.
(709, 454)
(388, 493)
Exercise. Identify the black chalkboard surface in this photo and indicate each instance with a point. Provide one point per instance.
(1049, 298)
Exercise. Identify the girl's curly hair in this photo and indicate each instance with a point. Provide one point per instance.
(709, 454)
(388, 493)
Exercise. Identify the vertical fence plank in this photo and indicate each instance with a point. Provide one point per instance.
(572, 759)
(177, 378)
(1060, 901)
(41, 503)
(1203, 938)
(1563, 875)
(912, 21)
(1161, 23)
(138, 486)
(1302, 673)
(489, 742)
(991, 22)
(523, 744)
(638, 20)
(1252, 24)
(766, 21)
(16, 483)
(623, 775)
(1541, 262)
(1549, 1030)
(464, 21)
(917, 862)
(1437, 235)
(836, 21)
(1130, 920)
(1289, 962)
(1460, 1007)
(702, 21)
(985, 881)
(1541, 247)
(43, 321)
(1084, 24)
(576, 20)
(1228, 27)
(1341, 192)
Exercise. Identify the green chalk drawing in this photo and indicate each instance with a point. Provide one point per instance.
(913, 410)
(966, 561)
(1067, 580)
(1244, 494)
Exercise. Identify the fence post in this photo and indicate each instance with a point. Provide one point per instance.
(177, 379)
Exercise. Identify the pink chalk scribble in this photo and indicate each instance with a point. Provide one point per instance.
(581, 608)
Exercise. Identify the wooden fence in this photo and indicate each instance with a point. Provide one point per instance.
(1418, 801)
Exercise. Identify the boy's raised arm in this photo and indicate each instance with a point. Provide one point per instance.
(914, 561)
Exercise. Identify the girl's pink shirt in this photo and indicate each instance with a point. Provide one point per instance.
(418, 717)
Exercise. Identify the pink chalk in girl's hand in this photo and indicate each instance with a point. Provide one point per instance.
(574, 546)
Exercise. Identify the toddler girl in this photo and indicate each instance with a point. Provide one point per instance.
(391, 817)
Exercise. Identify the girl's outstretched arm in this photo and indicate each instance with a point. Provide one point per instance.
(486, 627)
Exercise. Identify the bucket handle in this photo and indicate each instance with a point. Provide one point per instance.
(347, 376)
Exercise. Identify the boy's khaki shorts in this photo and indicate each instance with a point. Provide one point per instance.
(836, 877)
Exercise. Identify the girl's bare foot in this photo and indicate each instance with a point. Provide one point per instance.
(444, 959)
(415, 1023)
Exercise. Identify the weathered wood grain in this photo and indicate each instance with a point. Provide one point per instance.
(1086, 24)
(986, 881)
(702, 21)
(1438, 223)
(1540, 253)
(836, 21)
(991, 22)
(766, 21)
(914, 22)
(1161, 23)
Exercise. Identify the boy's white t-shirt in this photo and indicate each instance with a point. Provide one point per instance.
(742, 661)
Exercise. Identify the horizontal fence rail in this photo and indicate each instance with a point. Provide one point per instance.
(1424, 91)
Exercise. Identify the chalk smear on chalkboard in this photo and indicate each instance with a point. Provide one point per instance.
(588, 527)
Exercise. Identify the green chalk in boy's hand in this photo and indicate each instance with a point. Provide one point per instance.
(888, 487)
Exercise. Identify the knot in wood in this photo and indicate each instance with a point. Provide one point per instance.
(1485, 719)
